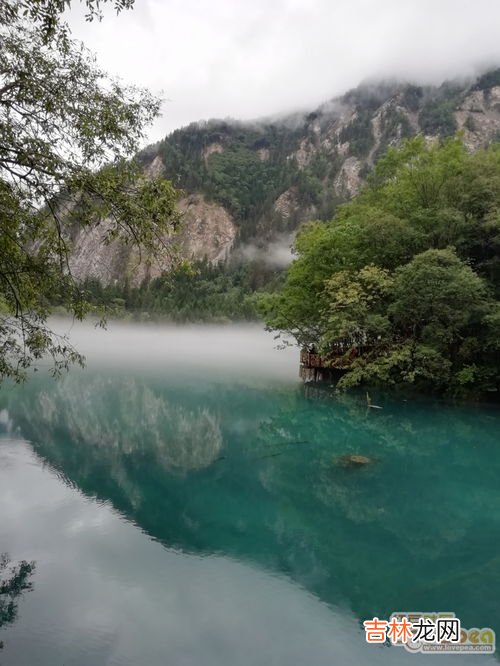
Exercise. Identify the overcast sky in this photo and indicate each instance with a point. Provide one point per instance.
(250, 58)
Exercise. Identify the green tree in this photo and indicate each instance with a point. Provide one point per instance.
(431, 329)
(46, 14)
(14, 581)
(408, 273)
(356, 313)
(67, 132)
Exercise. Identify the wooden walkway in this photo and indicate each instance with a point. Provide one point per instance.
(316, 368)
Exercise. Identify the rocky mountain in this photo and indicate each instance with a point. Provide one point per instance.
(248, 183)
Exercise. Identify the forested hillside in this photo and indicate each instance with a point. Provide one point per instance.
(272, 174)
(246, 185)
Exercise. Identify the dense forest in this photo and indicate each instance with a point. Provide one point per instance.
(245, 167)
(194, 292)
(405, 278)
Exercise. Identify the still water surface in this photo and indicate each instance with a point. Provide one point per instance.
(182, 503)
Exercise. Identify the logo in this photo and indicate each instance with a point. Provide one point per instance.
(429, 633)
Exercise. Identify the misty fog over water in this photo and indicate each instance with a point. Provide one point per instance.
(221, 350)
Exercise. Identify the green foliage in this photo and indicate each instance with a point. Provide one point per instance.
(199, 291)
(359, 133)
(308, 186)
(437, 114)
(67, 133)
(437, 118)
(488, 80)
(412, 97)
(355, 307)
(46, 14)
(395, 123)
(240, 180)
(407, 273)
(394, 126)
(14, 581)
(243, 167)
(470, 124)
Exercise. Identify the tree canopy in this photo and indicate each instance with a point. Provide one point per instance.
(67, 133)
(46, 15)
(407, 274)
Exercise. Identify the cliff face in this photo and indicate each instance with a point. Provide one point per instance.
(208, 231)
(244, 181)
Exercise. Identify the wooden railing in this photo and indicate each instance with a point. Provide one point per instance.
(311, 360)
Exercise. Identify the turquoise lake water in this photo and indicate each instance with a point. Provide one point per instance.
(184, 505)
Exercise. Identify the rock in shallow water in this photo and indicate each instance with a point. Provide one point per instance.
(353, 460)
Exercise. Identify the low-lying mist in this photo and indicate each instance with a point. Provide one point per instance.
(276, 254)
(234, 350)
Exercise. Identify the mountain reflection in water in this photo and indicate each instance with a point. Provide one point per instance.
(246, 469)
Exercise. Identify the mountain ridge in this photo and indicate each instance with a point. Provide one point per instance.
(251, 182)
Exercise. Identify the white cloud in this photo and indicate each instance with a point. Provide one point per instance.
(219, 58)
(275, 254)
